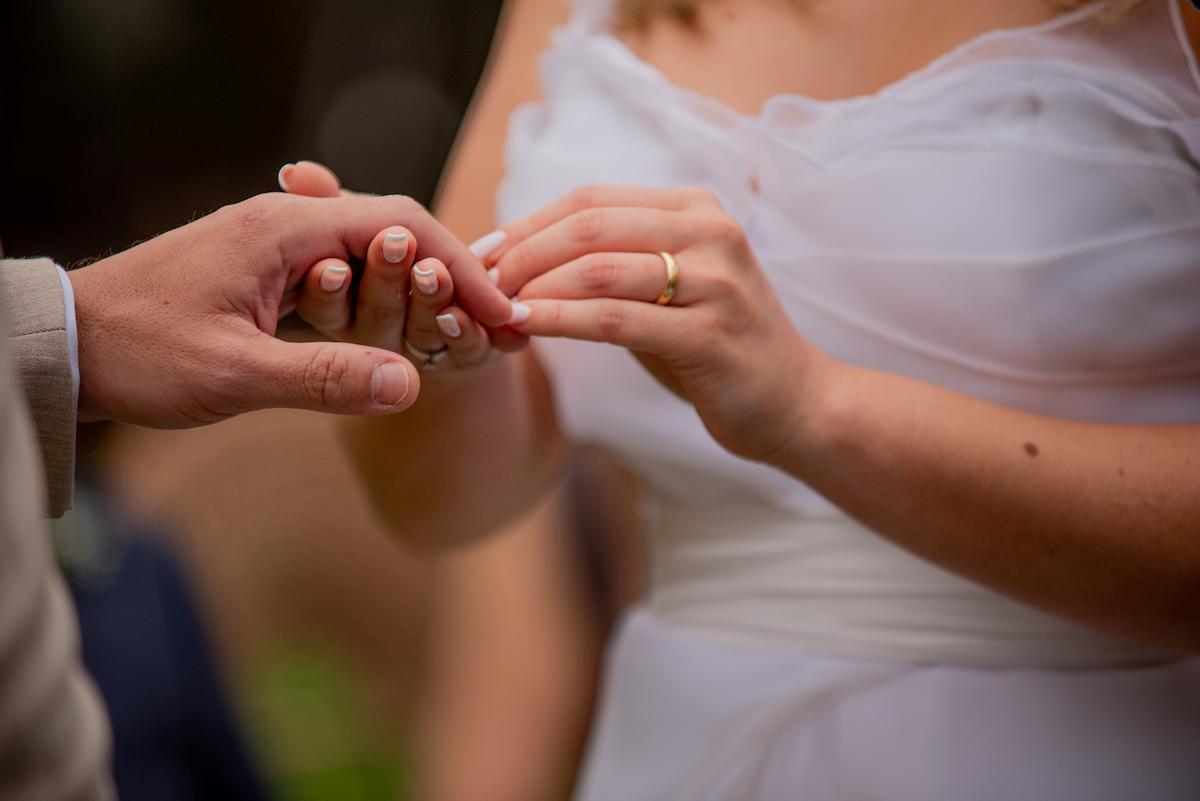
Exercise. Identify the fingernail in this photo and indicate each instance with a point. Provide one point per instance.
(494, 274)
(484, 246)
(426, 280)
(389, 384)
(448, 325)
(333, 278)
(520, 313)
(395, 246)
(282, 178)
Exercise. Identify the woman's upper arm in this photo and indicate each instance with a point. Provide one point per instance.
(466, 196)
(1191, 23)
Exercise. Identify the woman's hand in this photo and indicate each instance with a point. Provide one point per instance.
(438, 333)
(397, 304)
(994, 494)
(371, 310)
(588, 267)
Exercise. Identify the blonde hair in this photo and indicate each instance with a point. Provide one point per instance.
(635, 14)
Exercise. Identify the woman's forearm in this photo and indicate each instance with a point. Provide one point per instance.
(1096, 522)
(478, 449)
(1100, 523)
(472, 452)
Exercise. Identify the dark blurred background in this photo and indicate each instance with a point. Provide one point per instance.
(277, 656)
(123, 118)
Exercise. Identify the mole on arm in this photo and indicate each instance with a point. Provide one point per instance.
(1032, 450)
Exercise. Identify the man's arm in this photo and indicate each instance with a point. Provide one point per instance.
(41, 319)
(54, 741)
(179, 330)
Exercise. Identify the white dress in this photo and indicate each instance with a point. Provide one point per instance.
(1019, 221)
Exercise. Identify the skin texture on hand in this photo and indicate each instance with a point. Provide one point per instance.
(588, 267)
(1093, 521)
(179, 331)
(486, 432)
(378, 308)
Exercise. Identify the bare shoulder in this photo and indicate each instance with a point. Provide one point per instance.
(465, 197)
(1191, 22)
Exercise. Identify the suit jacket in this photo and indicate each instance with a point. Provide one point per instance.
(53, 731)
(32, 293)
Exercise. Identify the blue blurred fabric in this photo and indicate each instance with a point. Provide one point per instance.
(175, 737)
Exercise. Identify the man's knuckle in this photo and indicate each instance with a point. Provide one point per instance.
(326, 378)
(229, 374)
(254, 214)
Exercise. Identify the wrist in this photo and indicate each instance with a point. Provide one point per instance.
(823, 412)
(84, 289)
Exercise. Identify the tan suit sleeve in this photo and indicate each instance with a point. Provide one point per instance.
(31, 293)
(54, 735)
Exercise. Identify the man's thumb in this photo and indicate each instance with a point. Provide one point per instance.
(333, 377)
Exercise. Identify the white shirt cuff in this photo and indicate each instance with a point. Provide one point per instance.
(73, 347)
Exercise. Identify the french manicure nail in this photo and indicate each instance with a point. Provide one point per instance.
(426, 280)
(284, 171)
(389, 384)
(395, 246)
(494, 274)
(520, 313)
(484, 246)
(333, 278)
(448, 325)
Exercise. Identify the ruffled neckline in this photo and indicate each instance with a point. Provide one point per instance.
(597, 28)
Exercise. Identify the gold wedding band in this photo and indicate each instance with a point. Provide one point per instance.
(668, 294)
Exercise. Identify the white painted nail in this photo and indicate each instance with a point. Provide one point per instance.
(448, 325)
(494, 274)
(282, 177)
(333, 278)
(426, 280)
(520, 313)
(484, 246)
(395, 246)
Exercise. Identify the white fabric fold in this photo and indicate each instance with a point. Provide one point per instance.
(1018, 221)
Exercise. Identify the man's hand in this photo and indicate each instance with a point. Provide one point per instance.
(380, 309)
(179, 331)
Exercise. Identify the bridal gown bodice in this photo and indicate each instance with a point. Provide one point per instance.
(1018, 221)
